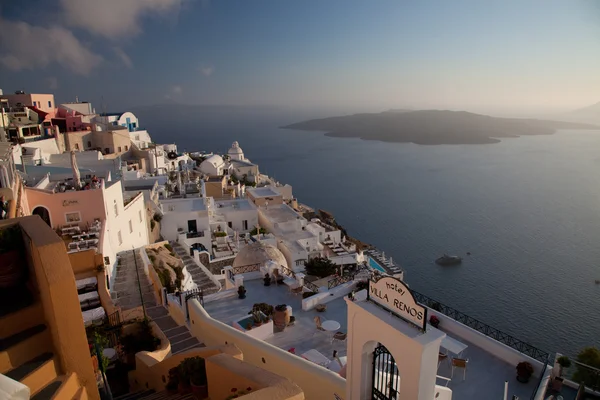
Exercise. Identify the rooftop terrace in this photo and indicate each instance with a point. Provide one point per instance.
(485, 375)
(303, 335)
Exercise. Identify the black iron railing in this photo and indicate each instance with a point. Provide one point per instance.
(339, 281)
(191, 235)
(246, 268)
(287, 272)
(536, 388)
(311, 287)
(482, 327)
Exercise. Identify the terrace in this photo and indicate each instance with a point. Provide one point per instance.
(487, 368)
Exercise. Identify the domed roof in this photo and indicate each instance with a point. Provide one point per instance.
(259, 253)
(235, 149)
(215, 160)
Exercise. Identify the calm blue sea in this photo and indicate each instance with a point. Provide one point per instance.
(527, 209)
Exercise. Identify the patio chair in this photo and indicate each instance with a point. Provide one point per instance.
(459, 363)
(341, 336)
(441, 358)
(318, 323)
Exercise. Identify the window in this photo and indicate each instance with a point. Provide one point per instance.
(245, 225)
(140, 216)
(116, 209)
(107, 151)
(73, 123)
(89, 144)
(72, 217)
(19, 119)
(35, 103)
(49, 104)
(230, 224)
(299, 262)
(126, 148)
(76, 146)
(119, 149)
(106, 260)
(120, 238)
(130, 227)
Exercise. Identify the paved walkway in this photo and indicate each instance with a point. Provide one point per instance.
(198, 275)
(179, 336)
(125, 291)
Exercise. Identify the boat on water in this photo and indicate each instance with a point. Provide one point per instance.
(448, 260)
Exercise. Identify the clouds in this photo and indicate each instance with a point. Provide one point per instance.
(27, 46)
(24, 46)
(52, 82)
(114, 19)
(123, 57)
(207, 70)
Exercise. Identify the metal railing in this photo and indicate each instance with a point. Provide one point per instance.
(311, 287)
(246, 268)
(484, 328)
(287, 272)
(339, 281)
(539, 382)
(114, 319)
(192, 235)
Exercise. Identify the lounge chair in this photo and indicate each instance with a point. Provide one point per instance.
(459, 363)
(318, 323)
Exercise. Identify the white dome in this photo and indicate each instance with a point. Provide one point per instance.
(215, 160)
(259, 253)
(235, 149)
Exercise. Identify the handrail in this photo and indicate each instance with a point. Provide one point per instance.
(535, 390)
(339, 281)
(311, 286)
(246, 268)
(287, 272)
(484, 328)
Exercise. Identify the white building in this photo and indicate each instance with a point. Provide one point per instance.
(245, 169)
(235, 152)
(213, 165)
(231, 216)
(189, 216)
(125, 119)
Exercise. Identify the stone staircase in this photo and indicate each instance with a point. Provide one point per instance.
(179, 336)
(198, 275)
(125, 291)
(152, 395)
(27, 355)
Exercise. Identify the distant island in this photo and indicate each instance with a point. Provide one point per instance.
(433, 127)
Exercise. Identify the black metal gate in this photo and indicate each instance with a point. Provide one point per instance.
(193, 294)
(386, 379)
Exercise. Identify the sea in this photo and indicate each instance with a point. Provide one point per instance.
(527, 210)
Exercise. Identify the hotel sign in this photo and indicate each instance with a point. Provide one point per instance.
(393, 295)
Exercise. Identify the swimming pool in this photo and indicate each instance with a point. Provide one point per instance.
(375, 265)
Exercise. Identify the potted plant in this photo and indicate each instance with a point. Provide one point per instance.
(11, 271)
(241, 292)
(257, 318)
(281, 317)
(563, 362)
(524, 371)
(267, 280)
(434, 321)
(173, 383)
(198, 379)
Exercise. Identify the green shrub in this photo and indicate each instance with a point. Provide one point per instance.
(321, 267)
(152, 258)
(263, 231)
(588, 356)
(152, 224)
(220, 234)
(169, 247)
(157, 217)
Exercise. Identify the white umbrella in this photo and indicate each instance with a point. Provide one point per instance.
(76, 175)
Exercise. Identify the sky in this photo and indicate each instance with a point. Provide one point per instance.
(495, 56)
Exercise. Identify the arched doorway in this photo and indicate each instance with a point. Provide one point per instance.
(386, 378)
(43, 213)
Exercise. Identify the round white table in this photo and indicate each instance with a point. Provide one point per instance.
(330, 325)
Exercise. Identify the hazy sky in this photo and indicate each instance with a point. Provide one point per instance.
(361, 55)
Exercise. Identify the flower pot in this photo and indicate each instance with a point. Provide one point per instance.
(523, 378)
(281, 319)
(200, 392)
(241, 295)
(184, 388)
(11, 272)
